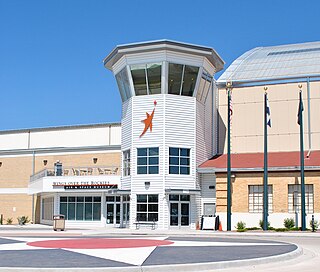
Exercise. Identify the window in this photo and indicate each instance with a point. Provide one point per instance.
(148, 160)
(182, 79)
(123, 84)
(204, 86)
(179, 161)
(256, 198)
(147, 208)
(81, 208)
(126, 162)
(146, 78)
(294, 198)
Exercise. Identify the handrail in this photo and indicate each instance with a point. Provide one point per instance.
(77, 171)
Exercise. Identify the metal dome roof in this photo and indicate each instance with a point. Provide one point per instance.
(274, 63)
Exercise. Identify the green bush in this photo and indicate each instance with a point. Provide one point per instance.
(241, 226)
(261, 224)
(9, 221)
(281, 229)
(254, 228)
(316, 224)
(289, 223)
(23, 220)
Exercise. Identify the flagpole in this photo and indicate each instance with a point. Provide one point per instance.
(265, 177)
(229, 87)
(300, 121)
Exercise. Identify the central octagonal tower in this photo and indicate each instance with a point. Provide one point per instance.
(168, 128)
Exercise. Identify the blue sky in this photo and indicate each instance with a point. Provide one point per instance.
(51, 52)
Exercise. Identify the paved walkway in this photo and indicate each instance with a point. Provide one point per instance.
(35, 247)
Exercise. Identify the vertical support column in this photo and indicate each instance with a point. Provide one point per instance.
(229, 161)
(265, 176)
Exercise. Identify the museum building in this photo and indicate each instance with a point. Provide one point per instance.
(165, 165)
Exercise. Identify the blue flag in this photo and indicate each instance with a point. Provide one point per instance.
(300, 109)
(268, 113)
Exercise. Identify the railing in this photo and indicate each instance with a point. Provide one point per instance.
(77, 171)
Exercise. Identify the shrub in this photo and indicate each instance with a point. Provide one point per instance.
(254, 228)
(289, 223)
(241, 226)
(261, 224)
(281, 229)
(9, 221)
(316, 224)
(23, 220)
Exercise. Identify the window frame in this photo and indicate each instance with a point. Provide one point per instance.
(149, 204)
(126, 162)
(85, 205)
(180, 158)
(148, 158)
(145, 67)
(309, 198)
(255, 199)
(182, 81)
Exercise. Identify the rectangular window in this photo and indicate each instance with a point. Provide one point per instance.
(146, 78)
(126, 162)
(294, 198)
(179, 161)
(182, 79)
(81, 208)
(147, 207)
(123, 84)
(204, 86)
(256, 199)
(148, 160)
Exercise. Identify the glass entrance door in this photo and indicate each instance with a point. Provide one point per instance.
(174, 214)
(184, 214)
(179, 210)
(113, 210)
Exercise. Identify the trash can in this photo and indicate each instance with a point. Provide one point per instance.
(58, 222)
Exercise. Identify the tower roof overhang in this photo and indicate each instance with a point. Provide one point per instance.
(150, 46)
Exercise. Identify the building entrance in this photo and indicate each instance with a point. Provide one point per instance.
(114, 211)
(179, 210)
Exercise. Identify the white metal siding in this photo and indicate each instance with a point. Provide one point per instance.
(180, 132)
(14, 141)
(71, 138)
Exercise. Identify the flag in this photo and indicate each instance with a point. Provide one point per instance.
(231, 108)
(300, 110)
(268, 113)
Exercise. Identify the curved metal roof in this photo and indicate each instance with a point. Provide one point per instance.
(274, 63)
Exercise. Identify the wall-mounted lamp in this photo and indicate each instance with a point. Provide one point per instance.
(147, 183)
(45, 162)
(95, 160)
(212, 187)
(233, 175)
(0, 163)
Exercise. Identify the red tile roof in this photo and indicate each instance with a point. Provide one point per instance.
(254, 161)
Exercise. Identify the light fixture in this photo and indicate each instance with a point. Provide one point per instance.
(147, 183)
(233, 175)
(212, 187)
(0, 163)
(95, 160)
(45, 162)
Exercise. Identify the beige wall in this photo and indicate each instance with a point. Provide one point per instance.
(279, 181)
(14, 205)
(15, 173)
(248, 118)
